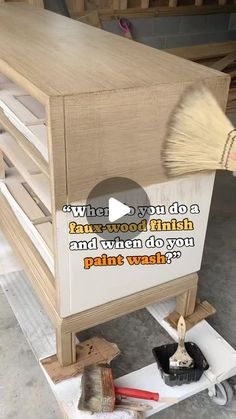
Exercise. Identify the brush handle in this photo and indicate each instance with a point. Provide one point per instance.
(137, 394)
(181, 329)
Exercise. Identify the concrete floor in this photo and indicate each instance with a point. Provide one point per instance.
(24, 393)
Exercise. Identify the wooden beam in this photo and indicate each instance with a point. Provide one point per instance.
(66, 347)
(81, 5)
(119, 4)
(205, 51)
(36, 3)
(123, 4)
(144, 4)
(185, 303)
(173, 3)
(109, 14)
(92, 19)
(42, 220)
(225, 61)
(76, 5)
(116, 4)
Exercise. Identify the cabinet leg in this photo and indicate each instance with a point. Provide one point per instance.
(185, 303)
(66, 347)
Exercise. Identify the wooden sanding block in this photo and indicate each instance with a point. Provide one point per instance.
(92, 351)
(202, 311)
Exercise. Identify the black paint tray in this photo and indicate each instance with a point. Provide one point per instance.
(162, 355)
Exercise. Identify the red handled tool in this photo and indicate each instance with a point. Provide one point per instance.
(142, 394)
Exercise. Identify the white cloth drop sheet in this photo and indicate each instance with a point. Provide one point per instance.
(8, 261)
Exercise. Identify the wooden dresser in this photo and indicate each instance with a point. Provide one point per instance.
(79, 105)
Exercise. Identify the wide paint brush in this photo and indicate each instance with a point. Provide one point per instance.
(99, 393)
(199, 135)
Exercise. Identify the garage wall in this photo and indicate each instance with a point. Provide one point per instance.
(177, 31)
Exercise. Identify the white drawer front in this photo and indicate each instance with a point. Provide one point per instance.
(27, 168)
(29, 227)
(26, 114)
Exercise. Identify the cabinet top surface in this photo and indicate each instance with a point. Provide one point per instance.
(61, 56)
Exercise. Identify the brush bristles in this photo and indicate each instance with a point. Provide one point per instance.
(98, 393)
(198, 131)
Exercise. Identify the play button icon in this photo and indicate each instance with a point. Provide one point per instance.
(114, 208)
(117, 210)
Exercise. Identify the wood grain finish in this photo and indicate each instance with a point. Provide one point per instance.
(114, 309)
(2, 166)
(66, 347)
(185, 303)
(130, 147)
(72, 49)
(57, 151)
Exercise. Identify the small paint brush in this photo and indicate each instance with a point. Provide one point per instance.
(181, 359)
(99, 393)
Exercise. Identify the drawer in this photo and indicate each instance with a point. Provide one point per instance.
(30, 214)
(37, 180)
(25, 113)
